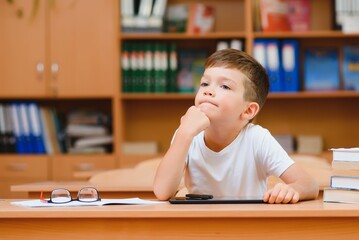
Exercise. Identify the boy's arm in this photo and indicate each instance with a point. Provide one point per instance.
(299, 185)
(171, 169)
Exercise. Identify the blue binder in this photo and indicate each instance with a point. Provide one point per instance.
(19, 137)
(274, 65)
(290, 65)
(35, 128)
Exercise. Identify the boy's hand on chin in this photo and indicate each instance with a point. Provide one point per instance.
(281, 193)
(195, 119)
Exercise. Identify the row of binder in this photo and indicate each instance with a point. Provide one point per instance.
(27, 129)
(281, 61)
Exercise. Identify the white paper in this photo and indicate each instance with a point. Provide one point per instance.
(123, 201)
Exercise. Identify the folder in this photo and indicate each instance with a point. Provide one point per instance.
(19, 138)
(290, 65)
(25, 128)
(35, 128)
(259, 52)
(274, 65)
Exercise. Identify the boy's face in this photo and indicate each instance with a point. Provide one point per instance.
(220, 95)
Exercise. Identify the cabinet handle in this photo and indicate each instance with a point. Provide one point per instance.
(17, 167)
(54, 70)
(84, 167)
(40, 70)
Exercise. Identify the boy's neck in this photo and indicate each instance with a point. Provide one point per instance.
(217, 139)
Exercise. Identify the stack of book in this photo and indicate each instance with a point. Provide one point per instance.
(88, 132)
(344, 184)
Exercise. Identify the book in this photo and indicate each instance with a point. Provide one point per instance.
(346, 154)
(200, 18)
(299, 15)
(347, 182)
(274, 15)
(321, 69)
(136, 148)
(93, 141)
(345, 165)
(340, 195)
(351, 67)
(176, 18)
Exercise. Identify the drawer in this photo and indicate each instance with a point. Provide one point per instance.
(24, 167)
(64, 168)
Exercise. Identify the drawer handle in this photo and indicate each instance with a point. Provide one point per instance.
(17, 167)
(84, 167)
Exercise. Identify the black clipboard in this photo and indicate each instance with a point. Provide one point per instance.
(224, 200)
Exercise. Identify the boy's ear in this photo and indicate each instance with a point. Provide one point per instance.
(251, 111)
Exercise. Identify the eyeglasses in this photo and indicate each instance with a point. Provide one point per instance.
(62, 195)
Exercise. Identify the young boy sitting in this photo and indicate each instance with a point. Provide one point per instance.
(218, 148)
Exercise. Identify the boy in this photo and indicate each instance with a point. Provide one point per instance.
(221, 152)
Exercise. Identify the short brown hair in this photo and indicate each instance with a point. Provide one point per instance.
(256, 86)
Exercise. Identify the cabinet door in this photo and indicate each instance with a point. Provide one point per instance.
(22, 49)
(83, 48)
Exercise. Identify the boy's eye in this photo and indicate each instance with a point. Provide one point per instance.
(204, 84)
(226, 87)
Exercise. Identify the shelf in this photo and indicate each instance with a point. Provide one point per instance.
(159, 96)
(309, 34)
(191, 96)
(180, 36)
(316, 94)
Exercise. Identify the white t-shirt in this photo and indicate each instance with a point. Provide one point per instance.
(240, 169)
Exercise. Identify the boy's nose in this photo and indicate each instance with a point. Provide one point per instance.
(208, 93)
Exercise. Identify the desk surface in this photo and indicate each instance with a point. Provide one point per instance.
(304, 220)
(315, 208)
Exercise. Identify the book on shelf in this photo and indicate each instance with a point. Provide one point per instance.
(340, 195)
(143, 15)
(351, 67)
(93, 141)
(201, 18)
(282, 15)
(140, 147)
(299, 15)
(176, 18)
(321, 69)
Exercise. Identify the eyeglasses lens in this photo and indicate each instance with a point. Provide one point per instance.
(88, 195)
(60, 196)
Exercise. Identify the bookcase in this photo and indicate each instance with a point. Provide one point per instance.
(332, 115)
(85, 40)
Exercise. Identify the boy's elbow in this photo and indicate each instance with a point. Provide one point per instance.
(160, 193)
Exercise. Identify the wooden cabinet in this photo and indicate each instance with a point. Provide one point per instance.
(69, 168)
(16, 170)
(23, 51)
(67, 49)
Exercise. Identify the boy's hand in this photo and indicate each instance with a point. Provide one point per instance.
(281, 193)
(194, 120)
